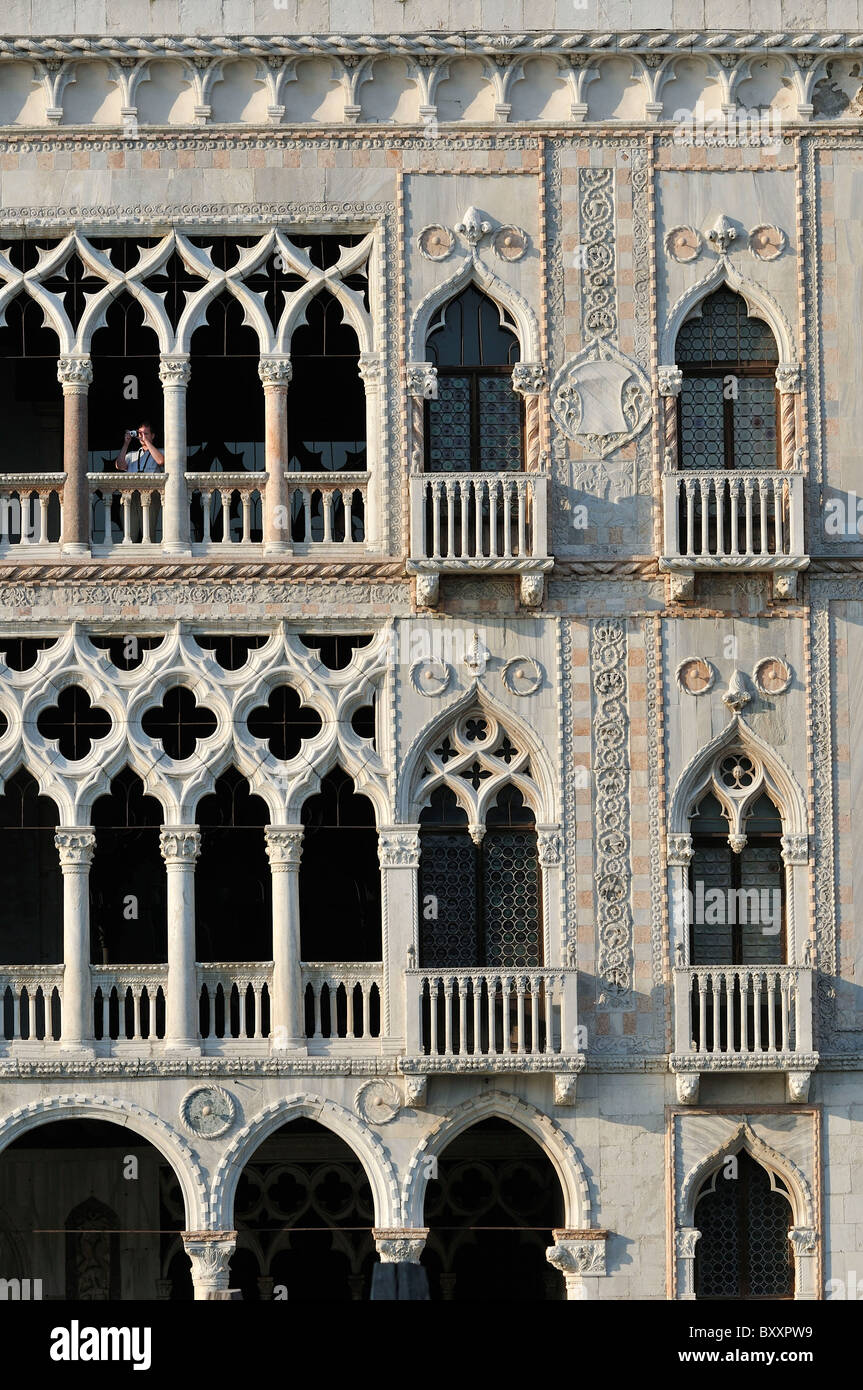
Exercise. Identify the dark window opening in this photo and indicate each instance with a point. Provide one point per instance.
(179, 722)
(363, 723)
(31, 397)
(334, 650)
(230, 652)
(340, 886)
(486, 897)
(31, 883)
(225, 398)
(128, 892)
(75, 722)
(477, 421)
(126, 652)
(22, 653)
(744, 1251)
(325, 355)
(284, 721)
(738, 899)
(232, 875)
(126, 389)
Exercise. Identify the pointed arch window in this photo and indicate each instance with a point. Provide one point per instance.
(479, 886)
(728, 404)
(737, 893)
(477, 422)
(744, 1251)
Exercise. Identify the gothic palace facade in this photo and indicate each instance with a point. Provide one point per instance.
(431, 619)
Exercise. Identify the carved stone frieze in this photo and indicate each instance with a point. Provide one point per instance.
(612, 868)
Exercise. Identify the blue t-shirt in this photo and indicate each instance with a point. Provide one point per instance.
(141, 461)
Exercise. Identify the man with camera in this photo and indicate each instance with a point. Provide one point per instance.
(139, 453)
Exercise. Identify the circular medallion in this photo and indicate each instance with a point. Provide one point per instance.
(510, 243)
(767, 242)
(696, 675)
(378, 1102)
(772, 675)
(430, 676)
(435, 242)
(522, 675)
(683, 244)
(208, 1111)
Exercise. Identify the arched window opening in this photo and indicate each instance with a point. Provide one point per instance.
(477, 422)
(325, 354)
(128, 651)
(738, 897)
(491, 1210)
(304, 1215)
(480, 903)
(225, 400)
(31, 884)
(84, 1247)
(728, 402)
(340, 883)
(231, 652)
(21, 653)
(128, 896)
(232, 875)
(744, 1214)
(126, 390)
(334, 650)
(31, 397)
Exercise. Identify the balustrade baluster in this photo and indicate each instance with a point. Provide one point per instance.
(436, 491)
(734, 486)
(448, 994)
(748, 500)
(689, 493)
(462, 1015)
(770, 982)
(520, 988)
(478, 486)
(476, 985)
(762, 496)
(756, 1013)
(778, 493)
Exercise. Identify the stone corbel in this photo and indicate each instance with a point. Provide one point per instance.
(785, 586)
(416, 1091)
(687, 1084)
(579, 1255)
(531, 590)
(565, 1085)
(797, 1086)
(681, 586)
(428, 590)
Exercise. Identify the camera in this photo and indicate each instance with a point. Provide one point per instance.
(133, 434)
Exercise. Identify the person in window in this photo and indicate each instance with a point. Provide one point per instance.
(146, 458)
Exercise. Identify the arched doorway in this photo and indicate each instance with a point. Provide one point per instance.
(304, 1214)
(85, 1198)
(744, 1214)
(490, 1211)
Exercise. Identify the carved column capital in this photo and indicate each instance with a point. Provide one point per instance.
(284, 845)
(75, 845)
(669, 380)
(174, 371)
(421, 380)
(210, 1253)
(400, 1245)
(180, 844)
(578, 1252)
(75, 374)
(685, 1240)
(680, 851)
(804, 1240)
(795, 849)
(275, 371)
(549, 844)
(399, 847)
(371, 369)
(788, 378)
(528, 378)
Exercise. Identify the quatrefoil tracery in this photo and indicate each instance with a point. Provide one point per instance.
(737, 779)
(475, 758)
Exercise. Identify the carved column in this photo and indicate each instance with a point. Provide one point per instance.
(371, 371)
(181, 845)
(174, 373)
(528, 379)
(804, 1243)
(788, 386)
(275, 373)
(421, 382)
(580, 1256)
(284, 849)
(400, 1275)
(399, 856)
(75, 845)
(670, 384)
(685, 1240)
(75, 374)
(210, 1255)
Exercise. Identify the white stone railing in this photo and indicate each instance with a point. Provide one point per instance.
(328, 508)
(746, 518)
(754, 1011)
(129, 1002)
(30, 1003)
(477, 517)
(484, 1012)
(31, 506)
(234, 1000)
(138, 518)
(342, 1001)
(216, 492)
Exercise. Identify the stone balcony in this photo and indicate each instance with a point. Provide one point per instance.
(743, 520)
(751, 1018)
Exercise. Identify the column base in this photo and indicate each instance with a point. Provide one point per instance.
(278, 548)
(80, 1049)
(183, 1045)
(176, 548)
(75, 548)
(289, 1045)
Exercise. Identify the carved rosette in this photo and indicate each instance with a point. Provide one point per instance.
(685, 1240)
(584, 1256)
(284, 846)
(399, 849)
(75, 372)
(275, 371)
(378, 1102)
(669, 380)
(528, 378)
(210, 1253)
(680, 851)
(421, 380)
(522, 675)
(400, 1244)
(75, 847)
(174, 371)
(435, 242)
(180, 844)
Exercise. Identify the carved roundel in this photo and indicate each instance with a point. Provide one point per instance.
(772, 675)
(510, 243)
(522, 675)
(431, 676)
(696, 675)
(435, 242)
(683, 244)
(378, 1102)
(767, 242)
(208, 1111)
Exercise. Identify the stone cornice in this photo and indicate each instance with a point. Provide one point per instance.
(435, 45)
(108, 572)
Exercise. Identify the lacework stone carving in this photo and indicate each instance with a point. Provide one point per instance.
(596, 214)
(608, 650)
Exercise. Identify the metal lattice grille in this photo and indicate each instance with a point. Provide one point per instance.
(744, 1251)
(511, 899)
(480, 905)
(449, 934)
